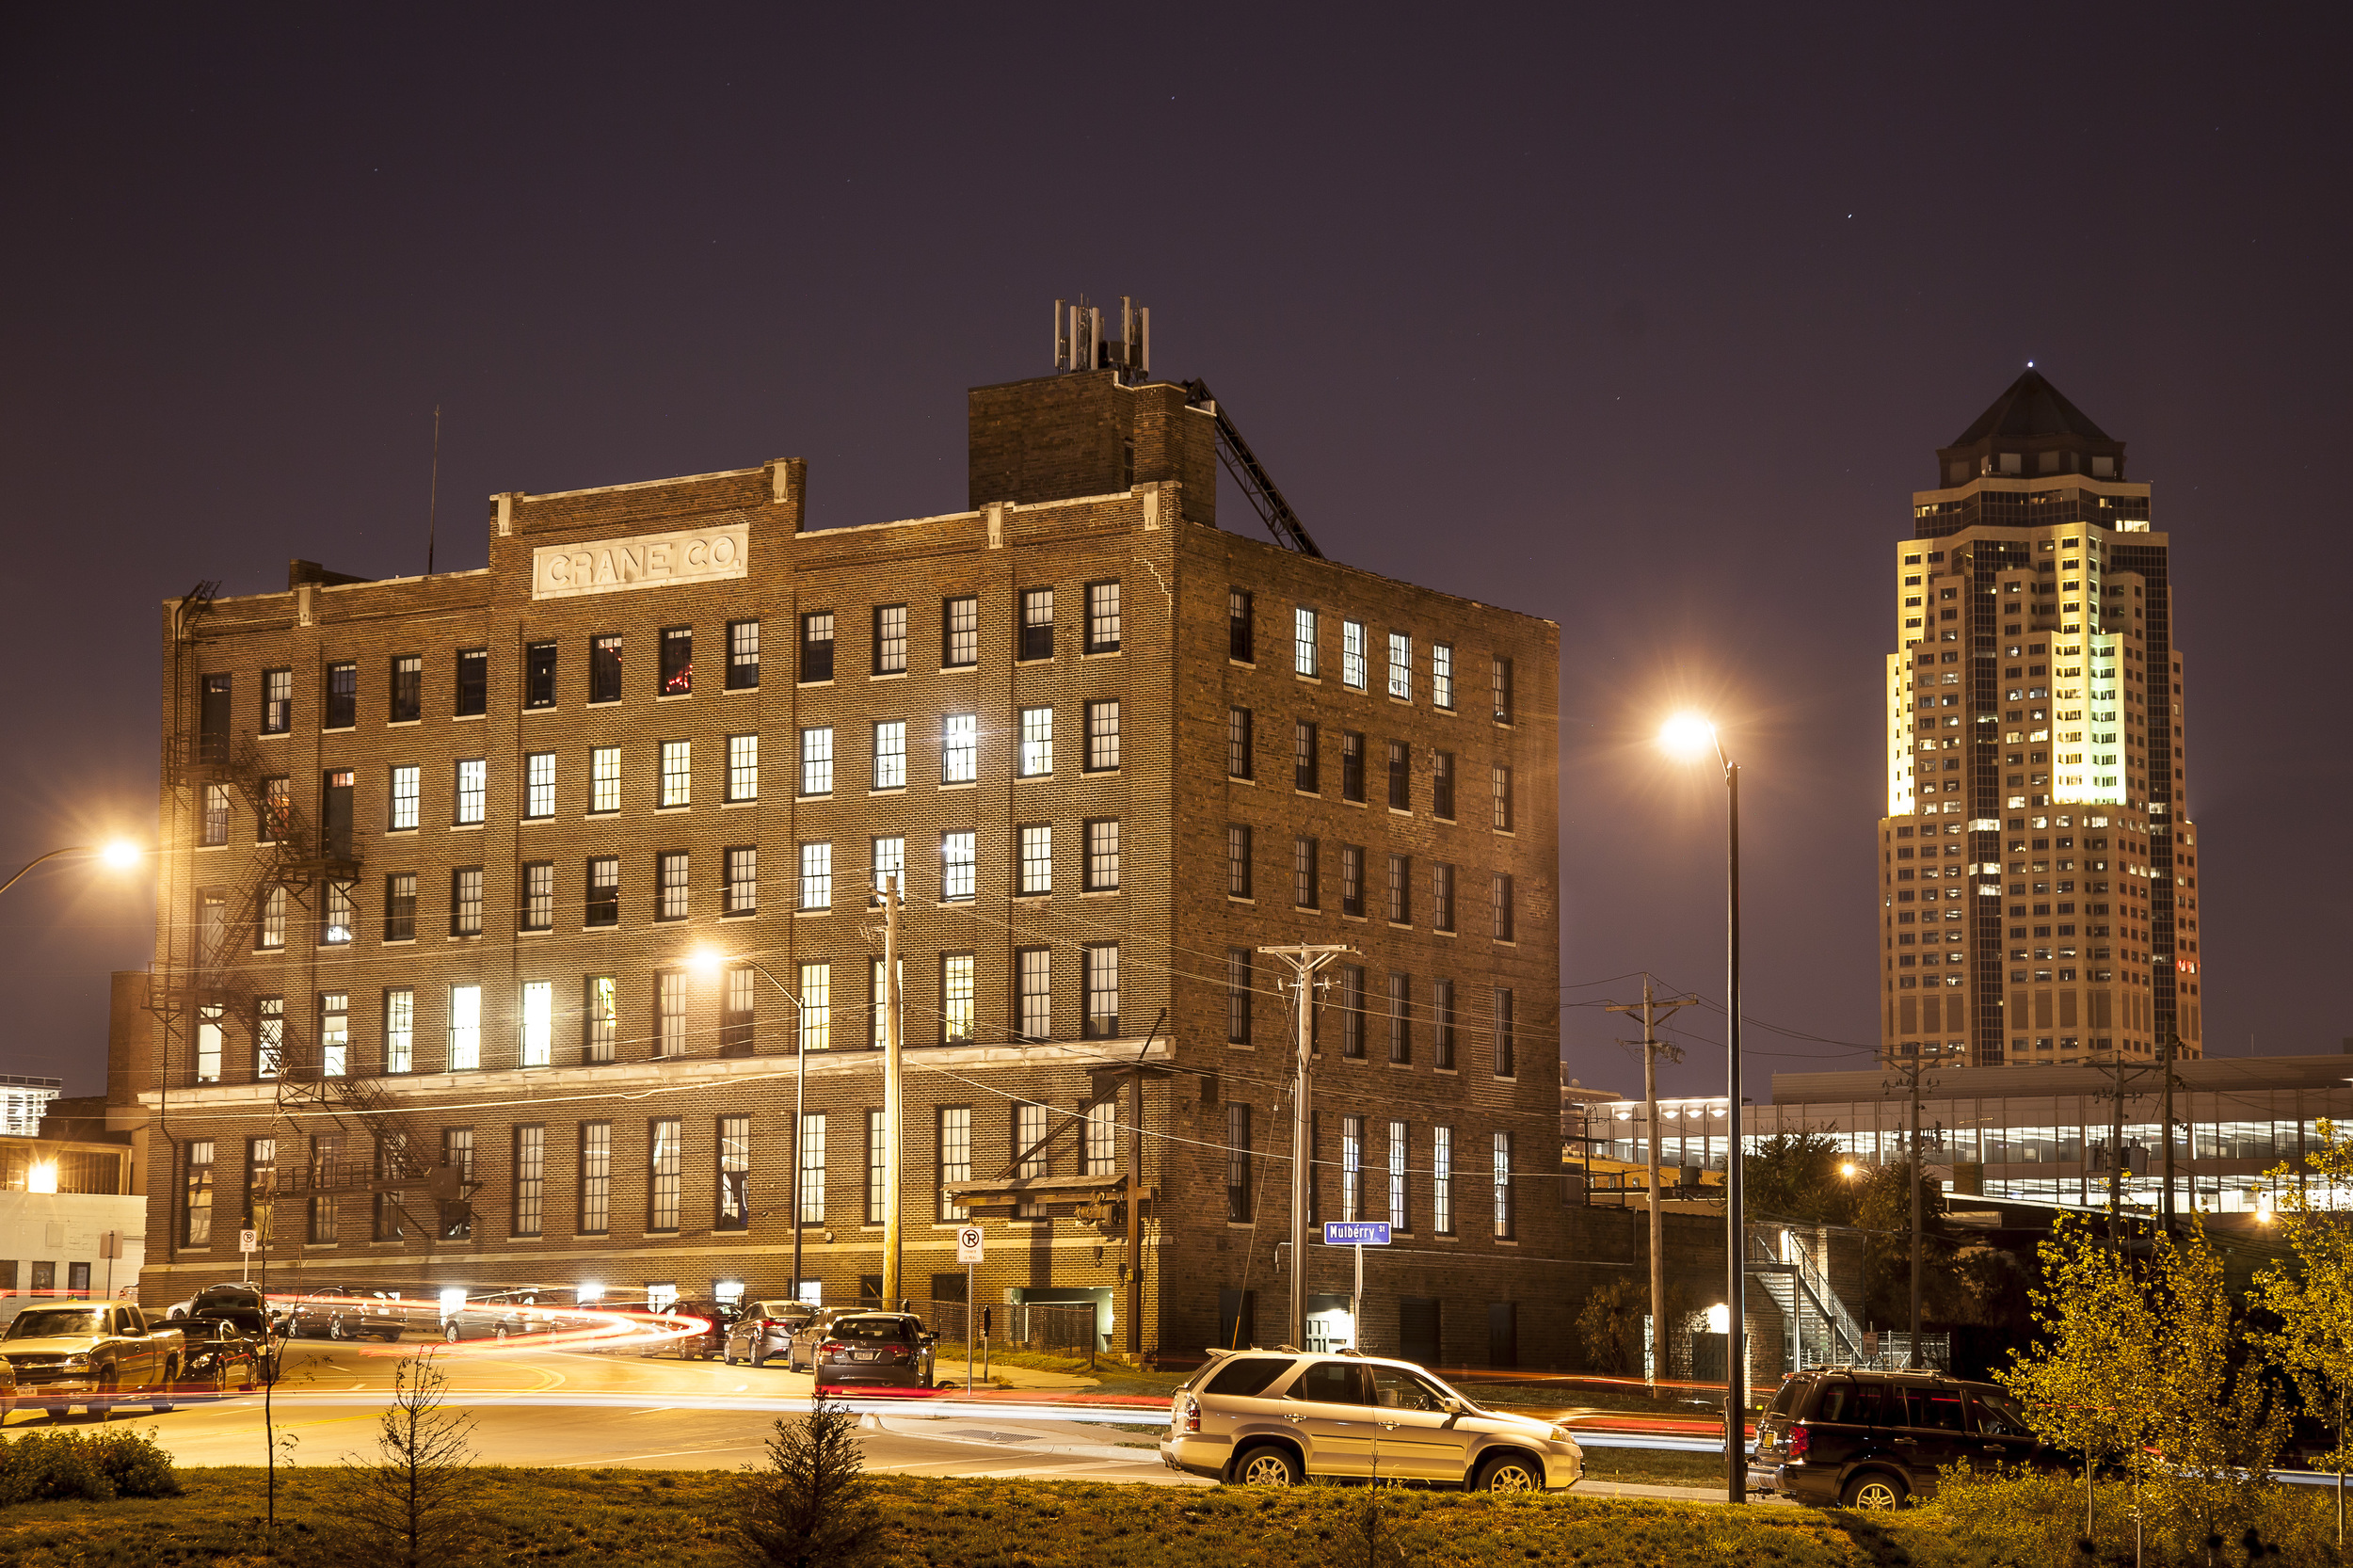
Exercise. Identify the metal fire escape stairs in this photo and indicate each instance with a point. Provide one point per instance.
(1257, 486)
(1821, 1332)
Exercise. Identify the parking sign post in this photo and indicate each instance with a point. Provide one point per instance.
(968, 1247)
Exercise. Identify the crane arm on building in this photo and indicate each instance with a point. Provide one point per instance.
(1257, 486)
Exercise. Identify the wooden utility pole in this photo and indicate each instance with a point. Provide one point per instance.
(1304, 961)
(1916, 1170)
(891, 1103)
(1654, 1012)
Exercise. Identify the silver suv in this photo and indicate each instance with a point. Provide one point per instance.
(1275, 1418)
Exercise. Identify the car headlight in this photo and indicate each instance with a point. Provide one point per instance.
(74, 1364)
(1561, 1434)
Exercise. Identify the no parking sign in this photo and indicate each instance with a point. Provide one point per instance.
(968, 1244)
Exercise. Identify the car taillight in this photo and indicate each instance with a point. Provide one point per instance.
(898, 1353)
(1187, 1413)
(767, 1322)
(1799, 1439)
(830, 1349)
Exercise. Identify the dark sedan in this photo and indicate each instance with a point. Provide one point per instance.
(801, 1342)
(221, 1356)
(253, 1325)
(875, 1350)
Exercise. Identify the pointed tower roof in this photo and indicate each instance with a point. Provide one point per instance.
(2030, 429)
(2031, 407)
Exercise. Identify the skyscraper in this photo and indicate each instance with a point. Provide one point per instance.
(2038, 865)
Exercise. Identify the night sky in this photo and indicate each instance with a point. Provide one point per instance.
(1646, 323)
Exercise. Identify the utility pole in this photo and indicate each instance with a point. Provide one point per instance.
(1653, 1013)
(890, 1093)
(1304, 961)
(2165, 1207)
(1916, 1169)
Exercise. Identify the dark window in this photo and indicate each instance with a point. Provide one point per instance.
(1306, 759)
(1442, 898)
(1442, 1023)
(1501, 894)
(473, 681)
(277, 701)
(539, 675)
(959, 633)
(1401, 1025)
(1351, 880)
(678, 660)
(1037, 630)
(1237, 860)
(1401, 890)
(1500, 681)
(604, 891)
(1352, 767)
(343, 696)
(1103, 618)
(407, 691)
(1306, 880)
(538, 896)
(1401, 777)
(1241, 644)
(1502, 782)
(817, 646)
(1441, 785)
(1238, 995)
(605, 669)
(743, 655)
(465, 901)
(1506, 1044)
(400, 907)
(213, 720)
(1351, 1010)
(1246, 1379)
(1238, 1164)
(1238, 750)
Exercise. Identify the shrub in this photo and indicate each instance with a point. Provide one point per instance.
(135, 1465)
(43, 1467)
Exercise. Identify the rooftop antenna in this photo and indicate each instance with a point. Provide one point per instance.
(1082, 342)
(433, 499)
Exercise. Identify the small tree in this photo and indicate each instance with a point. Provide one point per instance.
(2215, 1430)
(2313, 1300)
(1610, 1325)
(813, 1507)
(411, 1507)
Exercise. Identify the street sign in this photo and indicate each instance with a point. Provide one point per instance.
(248, 1240)
(968, 1244)
(1356, 1233)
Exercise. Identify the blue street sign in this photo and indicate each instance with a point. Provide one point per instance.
(1356, 1233)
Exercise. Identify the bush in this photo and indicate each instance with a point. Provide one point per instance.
(43, 1467)
(2014, 1517)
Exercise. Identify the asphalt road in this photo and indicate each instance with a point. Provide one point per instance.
(564, 1408)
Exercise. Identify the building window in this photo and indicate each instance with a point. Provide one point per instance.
(1241, 641)
(327, 1150)
(735, 1174)
(1442, 1023)
(400, 1030)
(1501, 897)
(604, 779)
(1442, 898)
(1238, 749)
(959, 749)
(1029, 1132)
(739, 866)
(539, 784)
(956, 855)
(604, 904)
(335, 1033)
(1102, 854)
(277, 701)
(538, 892)
(1351, 880)
(812, 1182)
(959, 633)
(678, 660)
(1503, 1186)
(1352, 767)
(1306, 759)
(342, 914)
(1499, 683)
(400, 907)
(1441, 785)
(1351, 1167)
(1441, 1180)
(670, 1012)
(671, 886)
(737, 1005)
(605, 669)
(473, 778)
(743, 767)
(1353, 665)
(1037, 624)
(1037, 743)
(1506, 1062)
(272, 934)
(1034, 993)
(1103, 737)
(269, 1037)
(465, 1028)
(1352, 1012)
(1306, 880)
(817, 760)
(1102, 990)
(1401, 890)
(1304, 659)
(891, 639)
(275, 819)
(891, 756)
(678, 774)
(1238, 995)
(1401, 666)
(1034, 874)
(662, 1174)
(196, 1211)
(889, 860)
(954, 1140)
(816, 1010)
(539, 675)
(1101, 1153)
(531, 1178)
(400, 817)
(1441, 675)
(472, 691)
(877, 1169)
(817, 877)
(465, 901)
(601, 1017)
(743, 655)
(1502, 785)
(1401, 777)
(1237, 883)
(261, 1184)
(538, 1033)
(1400, 1017)
(213, 830)
(1401, 1143)
(342, 709)
(878, 1000)
(817, 646)
(596, 1179)
(1237, 1163)
(1103, 618)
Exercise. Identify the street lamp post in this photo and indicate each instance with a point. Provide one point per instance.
(712, 964)
(118, 855)
(1689, 736)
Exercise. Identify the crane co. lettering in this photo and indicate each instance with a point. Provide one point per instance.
(646, 561)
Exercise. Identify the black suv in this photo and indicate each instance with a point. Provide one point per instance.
(1860, 1439)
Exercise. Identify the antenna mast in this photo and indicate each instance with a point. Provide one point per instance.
(433, 505)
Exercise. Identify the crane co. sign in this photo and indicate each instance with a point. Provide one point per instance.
(644, 561)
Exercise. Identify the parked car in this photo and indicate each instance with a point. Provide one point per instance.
(221, 1356)
(1279, 1417)
(508, 1314)
(800, 1346)
(1864, 1439)
(694, 1347)
(350, 1312)
(95, 1354)
(258, 1329)
(243, 1293)
(763, 1329)
(880, 1349)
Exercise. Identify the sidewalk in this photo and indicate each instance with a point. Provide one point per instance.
(1012, 1377)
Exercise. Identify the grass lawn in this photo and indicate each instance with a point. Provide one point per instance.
(679, 1520)
(1654, 1467)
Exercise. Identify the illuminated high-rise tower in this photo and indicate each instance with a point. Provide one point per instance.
(2038, 865)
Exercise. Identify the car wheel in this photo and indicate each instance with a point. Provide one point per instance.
(499, 1334)
(731, 1358)
(1509, 1473)
(335, 1329)
(1266, 1465)
(109, 1386)
(449, 1332)
(172, 1375)
(1874, 1489)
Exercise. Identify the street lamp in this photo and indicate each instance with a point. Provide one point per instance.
(118, 854)
(1692, 738)
(711, 964)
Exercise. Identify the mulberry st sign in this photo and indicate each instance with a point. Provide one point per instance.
(645, 561)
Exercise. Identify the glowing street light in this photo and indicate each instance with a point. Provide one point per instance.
(41, 1177)
(710, 964)
(1688, 737)
(1847, 1170)
(118, 855)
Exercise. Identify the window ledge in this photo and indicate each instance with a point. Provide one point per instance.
(886, 790)
(536, 931)
(214, 846)
(400, 941)
(1444, 932)
(1031, 899)
(1023, 777)
(1400, 925)
(1445, 712)
(1310, 794)
(465, 827)
(1358, 919)
(1306, 909)
(952, 903)
(1505, 941)
(672, 810)
(673, 697)
(1242, 778)
(1504, 832)
(1027, 663)
(806, 684)
(526, 820)
(1401, 701)
(963, 784)
(737, 914)
(282, 734)
(730, 691)
(389, 833)
(1401, 810)
(1240, 1045)
(1237, 898)
(1101, 653)
(1358, 804)
(465, 936)
(1447, 820)
(1450, 1072)
(821, 795)
(1242, 663)
(337, 728)
(1308, 680)
(959, 669)
(730, 805)
(402, 724)
(601, 925)
(887, 675)
(468, 719)
(1100, 892)
(594, 703)
(1098, 772)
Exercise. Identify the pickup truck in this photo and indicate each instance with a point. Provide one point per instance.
(96, 1355)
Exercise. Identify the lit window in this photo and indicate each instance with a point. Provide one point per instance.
(465, 901)
(1037, 624)
(1034, 874)
(955, 999)
(1037, 743)
(401, 818)
(956, 857)
(465, 1028)
(743, 767)
(662, 1175)
(743, 655)
(1239, 750)
(341, 914)
(1102, 991)
(670, 1012)
(817, 877)
(472, 788)
(890, 755)
(539, 784)
(1102, 854)
(1353, 663)
(269, 1037)
(889, 860)
(959, 749)
(960, 632)
(604, 779)
(678, 773)
(1441, 1180)
(400, 1031)
(335, 1033)
(1441, 675)
(891, 639)
(601, 1017)
(817, 760)
(538, 1036)
(812, 1181)
(739, 868)
(538, 896)
(816, 1006)
(1102, 617)
(1102, 737)
(735, 1174)
(1237, 883)
(1033, 993)
(1401, 666)
(214, 829)
(277, 701)
(1303, 658)
(596, 1177)
(670, 886)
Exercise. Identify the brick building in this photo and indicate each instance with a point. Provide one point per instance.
(442, 852)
